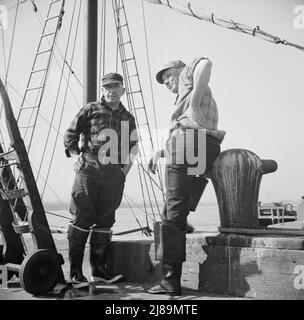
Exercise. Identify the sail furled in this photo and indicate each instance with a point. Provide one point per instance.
(185, 7)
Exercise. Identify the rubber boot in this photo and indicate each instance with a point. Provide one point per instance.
(99, 244)
(77, 239)
(172, 252)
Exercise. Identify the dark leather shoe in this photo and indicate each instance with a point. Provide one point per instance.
(161, 289)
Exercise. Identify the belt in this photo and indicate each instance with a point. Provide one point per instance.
(90, 156)
(95, 157)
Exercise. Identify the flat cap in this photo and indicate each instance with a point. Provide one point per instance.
(177, 64)
(111, 78)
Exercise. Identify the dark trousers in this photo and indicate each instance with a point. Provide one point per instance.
(96, 194)
(178, 182)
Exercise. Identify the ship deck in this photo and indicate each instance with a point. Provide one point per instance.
(100, 291)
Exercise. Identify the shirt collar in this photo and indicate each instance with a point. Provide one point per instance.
(105, 104)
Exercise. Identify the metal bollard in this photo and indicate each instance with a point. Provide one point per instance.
(236, 177)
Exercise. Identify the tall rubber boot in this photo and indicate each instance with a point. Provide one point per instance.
(77, 240)
(99, 244)
(172, 252)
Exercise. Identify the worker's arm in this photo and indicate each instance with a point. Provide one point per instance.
(71, 139)
(154, 159)
(72, 134)
(201, 77)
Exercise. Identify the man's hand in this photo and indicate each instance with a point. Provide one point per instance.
(79, 161)
(153, 161)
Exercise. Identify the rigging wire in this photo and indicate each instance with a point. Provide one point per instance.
(40, 114)
(128, 85)
(40, 19)
(14, 6)
(151, 87)
(71, 72)
(65, 96)
(57, 96)
(132, 211)
(44, 79)
(7, 75)
(142, 175)
(198, 13)
(116, 4)
(50, 188)
(56, 215)
(137, 206)
(131, 101)
(149, 67)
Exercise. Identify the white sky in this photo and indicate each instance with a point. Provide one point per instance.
(258, 85)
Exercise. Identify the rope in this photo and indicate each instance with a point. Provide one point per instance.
(51, 189)
(65, 96)
(40, 19)
(21, 2)
(151, 87)
(131, 99)
(130, 96)
(133, 212)
(40, 114)
(44, 80)
(137, 206)
(73, 73)
(185, 8)
(57, 96)
(57, 215)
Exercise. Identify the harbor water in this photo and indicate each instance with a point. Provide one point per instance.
(204, 219)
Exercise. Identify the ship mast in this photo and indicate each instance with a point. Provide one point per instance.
(90, 51)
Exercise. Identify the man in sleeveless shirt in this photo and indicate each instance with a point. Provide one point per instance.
(192, 147)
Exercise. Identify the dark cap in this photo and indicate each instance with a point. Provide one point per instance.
(111, 78)
(177, 64)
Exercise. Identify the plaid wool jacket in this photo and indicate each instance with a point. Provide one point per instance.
(97, 124)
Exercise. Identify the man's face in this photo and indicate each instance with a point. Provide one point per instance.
(170, 78)
(113, 92)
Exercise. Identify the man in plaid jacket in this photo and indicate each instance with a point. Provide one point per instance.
(108, 143)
